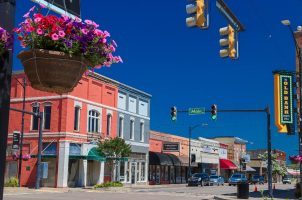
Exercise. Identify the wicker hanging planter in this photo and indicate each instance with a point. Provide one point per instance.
(52, 71)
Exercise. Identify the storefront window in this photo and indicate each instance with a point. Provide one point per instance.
(162, 175)
(172, 174)
(167, 173)
(137, 171)
(143, 167)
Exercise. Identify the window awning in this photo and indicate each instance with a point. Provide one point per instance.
(159, 159)
(227, 164)
(175, 160)
(249, 169)
(93, 154)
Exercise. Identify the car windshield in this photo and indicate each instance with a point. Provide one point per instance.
(256, 176)
(213, 176)
(236, 176)
(197, 175)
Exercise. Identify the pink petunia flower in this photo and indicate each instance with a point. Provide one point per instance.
(104, 40)
(95, 25)
(62, 34)
(120, 59)
(98, 32)
(98, 66)
(54, 37)
(39, 31)
(38, 19)
(65, 17)
(112, 48)
(78, 19)
(106, 34)
(84, 31)
(87, 21)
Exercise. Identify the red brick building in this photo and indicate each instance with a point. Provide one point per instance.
(72, 122)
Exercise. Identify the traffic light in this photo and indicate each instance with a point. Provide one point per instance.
(199, 12)
(214, 111)
(230, 42)
(173, 113)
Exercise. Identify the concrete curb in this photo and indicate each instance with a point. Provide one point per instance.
(224, 197)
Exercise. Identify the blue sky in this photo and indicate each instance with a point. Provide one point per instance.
(181, 66)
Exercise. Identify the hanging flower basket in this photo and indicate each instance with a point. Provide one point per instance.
(295, 159)
(5, 41)
(60, 49)
(52, 71)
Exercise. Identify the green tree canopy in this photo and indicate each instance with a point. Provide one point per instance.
(277, 168)
(114, 148)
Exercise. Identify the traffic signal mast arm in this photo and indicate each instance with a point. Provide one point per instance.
(229, 110)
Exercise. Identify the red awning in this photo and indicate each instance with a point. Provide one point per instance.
(227, 164)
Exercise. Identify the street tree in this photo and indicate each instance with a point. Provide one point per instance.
(277, 167)
(114, 149)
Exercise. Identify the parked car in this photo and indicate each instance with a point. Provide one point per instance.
(257, 179)
(237, 178)
(286, 180)
(216, 180)
(199, 179)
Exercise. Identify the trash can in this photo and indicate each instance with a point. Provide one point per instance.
(243, 191)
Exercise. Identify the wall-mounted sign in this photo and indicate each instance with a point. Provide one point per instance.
(16, 140)
(284, 115)
(170, 146)
(210, 149)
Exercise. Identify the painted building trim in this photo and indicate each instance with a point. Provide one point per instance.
(15, 100)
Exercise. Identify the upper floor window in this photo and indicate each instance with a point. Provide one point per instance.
(76, 125)
(131, 129)
(132, 104)
(121, 127)
(47, 116)
(109, 118)
(93, 121)
(142, 131)
(35, 119)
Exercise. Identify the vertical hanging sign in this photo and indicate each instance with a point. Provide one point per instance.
(284, 114)
(286, 92)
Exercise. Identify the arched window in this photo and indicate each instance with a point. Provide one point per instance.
(93, 121)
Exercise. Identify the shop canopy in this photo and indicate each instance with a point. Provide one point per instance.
(159, 159)
(249, 169)
(227, 164)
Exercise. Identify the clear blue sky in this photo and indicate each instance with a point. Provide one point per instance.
(181, 66)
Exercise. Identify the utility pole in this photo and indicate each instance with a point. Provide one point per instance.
(38, 174)
(7, 21)
(22, 130)
(269, 151)
(190, 133)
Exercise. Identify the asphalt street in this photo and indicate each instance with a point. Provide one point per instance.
(175, 192)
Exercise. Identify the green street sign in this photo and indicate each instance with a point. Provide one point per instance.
(197, 111)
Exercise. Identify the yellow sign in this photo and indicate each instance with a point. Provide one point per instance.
(283, 101)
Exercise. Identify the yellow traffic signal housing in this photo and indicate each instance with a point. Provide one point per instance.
(231, 39)
(200, 13)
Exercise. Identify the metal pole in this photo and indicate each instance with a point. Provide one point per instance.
(190, 132)
(22, 132)
(7, 21)
(299, 113)
(38, 174)
(269, 152)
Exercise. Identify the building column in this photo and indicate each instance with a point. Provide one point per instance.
(83, 173)
(62, 179)
(102, 171)
(125, 171)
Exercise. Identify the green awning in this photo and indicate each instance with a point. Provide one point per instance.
(44, 156)
(93, 154)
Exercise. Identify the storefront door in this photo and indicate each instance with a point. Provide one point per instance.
(133, 172)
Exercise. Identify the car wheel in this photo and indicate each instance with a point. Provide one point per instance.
(230, 185)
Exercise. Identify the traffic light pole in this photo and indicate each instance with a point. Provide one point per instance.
(7, 21)
(269, 142)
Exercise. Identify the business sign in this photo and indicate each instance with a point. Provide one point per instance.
(68, 7)
(284, 115)
(16, 140)
(286, 92)
(210, 149)
(171, 146)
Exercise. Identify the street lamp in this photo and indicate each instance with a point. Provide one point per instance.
(191, 128)
(299, 83)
